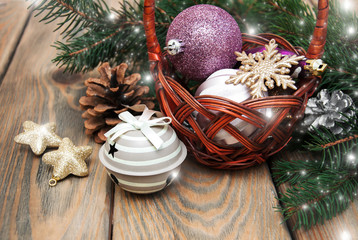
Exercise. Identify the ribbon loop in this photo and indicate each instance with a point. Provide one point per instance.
(143, 123)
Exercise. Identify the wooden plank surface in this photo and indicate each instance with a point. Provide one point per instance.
(343, 226)
(13, 17)
(34, 89)
(203, 204)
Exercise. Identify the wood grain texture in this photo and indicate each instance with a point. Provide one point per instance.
(342, 227)
(13, 18)
(34, 89)
(203, 204)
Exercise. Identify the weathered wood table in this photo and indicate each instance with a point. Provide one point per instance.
(202, 203)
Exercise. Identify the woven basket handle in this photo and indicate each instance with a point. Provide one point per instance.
(153, 46)
(315, 49)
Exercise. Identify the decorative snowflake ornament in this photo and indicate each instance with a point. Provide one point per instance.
(264, 69)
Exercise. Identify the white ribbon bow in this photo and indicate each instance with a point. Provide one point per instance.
(130, 123)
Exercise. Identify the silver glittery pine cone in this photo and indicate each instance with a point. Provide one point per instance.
(328, 109)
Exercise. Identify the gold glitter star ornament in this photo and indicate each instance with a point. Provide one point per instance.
(68, 159)
(38, 136)
(264, 69)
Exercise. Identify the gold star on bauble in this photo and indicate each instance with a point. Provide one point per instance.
(68, 159)
(38, 136)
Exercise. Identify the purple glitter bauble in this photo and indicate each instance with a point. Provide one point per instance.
(210, 36)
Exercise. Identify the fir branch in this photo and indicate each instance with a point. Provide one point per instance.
(341, 53)
(317, 193)
(82, 53)
(319, 198)
(70, 8)
(283, 9)
(334, 147)
(341, 80)
(294, 172)
(75, 15)
(339, 141)
(299, 14)
(334, 155)
(320, 189)
(94, 44)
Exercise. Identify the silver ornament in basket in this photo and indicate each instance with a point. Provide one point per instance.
(329, 110)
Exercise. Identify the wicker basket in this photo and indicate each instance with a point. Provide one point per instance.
(272, 134)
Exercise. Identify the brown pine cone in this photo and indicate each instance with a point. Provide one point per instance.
(108, 96)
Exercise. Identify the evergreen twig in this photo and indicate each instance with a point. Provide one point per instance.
(317, 192)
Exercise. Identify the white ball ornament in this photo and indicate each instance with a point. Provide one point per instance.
(215, 85)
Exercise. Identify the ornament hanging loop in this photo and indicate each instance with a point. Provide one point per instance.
(174, 46)
(316, 67)
(53, 181)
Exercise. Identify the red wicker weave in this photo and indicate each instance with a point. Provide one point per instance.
(272, 134)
